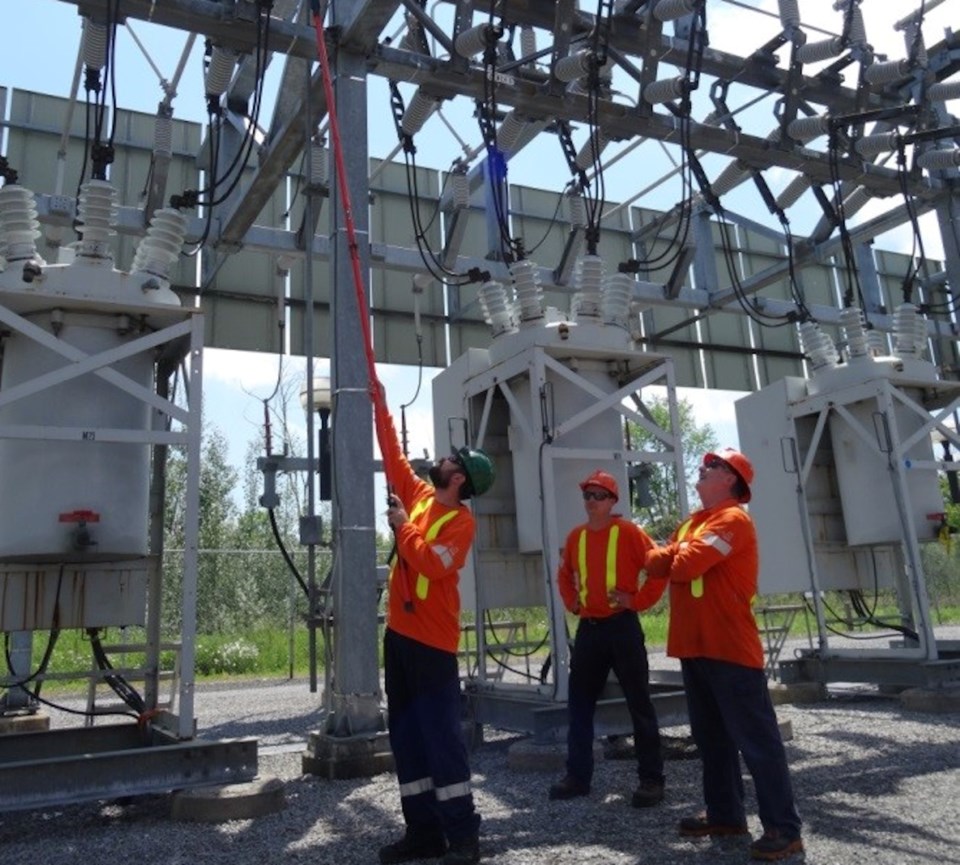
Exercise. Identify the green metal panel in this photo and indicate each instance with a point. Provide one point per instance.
(394, 300)
(729, 370)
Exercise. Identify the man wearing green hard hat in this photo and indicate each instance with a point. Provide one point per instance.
(433, 531)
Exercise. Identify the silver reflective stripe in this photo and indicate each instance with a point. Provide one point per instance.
(415, 788)
(452, 791)
(717, 543)
(443, 554)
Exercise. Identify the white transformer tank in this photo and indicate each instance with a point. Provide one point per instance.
(60, 492)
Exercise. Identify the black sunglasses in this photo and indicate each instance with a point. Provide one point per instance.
(598, 497)
(716, 463)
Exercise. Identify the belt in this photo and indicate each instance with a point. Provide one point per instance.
(599, 620)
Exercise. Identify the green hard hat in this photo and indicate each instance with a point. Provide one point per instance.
(479, 469)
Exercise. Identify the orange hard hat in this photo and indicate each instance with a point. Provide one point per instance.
(740, 465)
(604, 481)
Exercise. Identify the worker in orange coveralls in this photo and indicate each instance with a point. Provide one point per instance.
(598, 581)
(433, 532)
(712, 567)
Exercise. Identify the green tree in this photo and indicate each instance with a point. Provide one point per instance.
(216, 589)
(662, 510)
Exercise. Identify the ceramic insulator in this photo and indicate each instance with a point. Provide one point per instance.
(851, 320)
(496, 307)
(817, 345)
(219, 71)
(93, 45)
(19, 227)
(789, 14)
(418, 112)
(814, 52)
(615, 298)
(794, 189)
(670, 10)
(588, 281)
(160, 248)
(527, 289)
(881, 74)
(96, 214)
(664, 90)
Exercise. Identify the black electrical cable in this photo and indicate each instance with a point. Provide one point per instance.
(126, 692)
(286, 555)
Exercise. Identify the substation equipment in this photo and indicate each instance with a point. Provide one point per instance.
(86, 419)
(847, 491)
(546, 393)
(548, 401)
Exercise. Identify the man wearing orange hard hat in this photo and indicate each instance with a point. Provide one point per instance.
(712, 565)
(599, 582)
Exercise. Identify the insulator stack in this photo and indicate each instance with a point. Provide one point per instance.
(219, 71)
(96, 215)
(19, 227)
(459, 185)
(873, 145)
(163, 136)
(160, 247)
(588, 155)
(805, 129)
(93, 45)
(573, 66)
(789, 14)
(527, 289)
(794, 189)
(318, 164)
(731, 177)
(909, 331)
(588, 281)
(418, 111)
(858, 29)
(510, 131)
(814, 52)
(944, 91)
(665, 90)
(528, 40)
(496, 307)
(876, 343)
(670, 10)
(939, 159)
(474, 41)
(615, 299)
(854, 331)
(817, 346)
(856, 201)
(576, 211)
(888, 72)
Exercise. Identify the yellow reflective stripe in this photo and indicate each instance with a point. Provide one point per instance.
(423, 584)
(612, 558)
(696, 584)
(611, 575)
(582, 566)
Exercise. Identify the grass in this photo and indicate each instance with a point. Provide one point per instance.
(268, 653)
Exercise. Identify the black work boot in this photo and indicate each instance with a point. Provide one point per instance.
(464, 851)
(413, 845)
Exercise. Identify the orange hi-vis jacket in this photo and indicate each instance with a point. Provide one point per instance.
(596, 561)
(423, 598)
(712, 566)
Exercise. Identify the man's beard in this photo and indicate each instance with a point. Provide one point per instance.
(437, 478)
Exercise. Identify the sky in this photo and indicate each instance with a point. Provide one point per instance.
(235, 383)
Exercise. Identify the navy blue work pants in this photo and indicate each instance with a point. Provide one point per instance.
(601, 645)
(731, 714)
(430, 755)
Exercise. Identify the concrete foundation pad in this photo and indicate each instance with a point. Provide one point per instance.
(340, 757)
(229, 801)
(38, 722)
(942, 699)
(799, 693)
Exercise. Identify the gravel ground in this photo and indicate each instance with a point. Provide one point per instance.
(875, 784)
